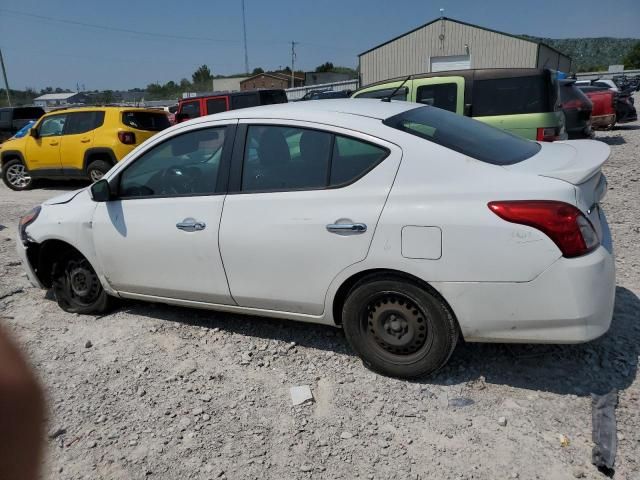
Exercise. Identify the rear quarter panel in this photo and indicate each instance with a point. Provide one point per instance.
(525, 125)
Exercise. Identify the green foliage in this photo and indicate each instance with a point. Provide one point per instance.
(591, 54)
(632, 58)
(325, 67)
(18, 97)
(257, 71)
(202, 76)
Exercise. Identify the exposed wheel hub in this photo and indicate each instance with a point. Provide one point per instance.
(83, 283)
(396, 324)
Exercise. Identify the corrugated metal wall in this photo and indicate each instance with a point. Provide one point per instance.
(549, 58)
(410, 54)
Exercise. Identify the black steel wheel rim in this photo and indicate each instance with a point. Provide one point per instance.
(82, 285)
(396, 327)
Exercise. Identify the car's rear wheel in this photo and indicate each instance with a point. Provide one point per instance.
(97, 169)
(16, 176)
(77, 287)
(398, 328)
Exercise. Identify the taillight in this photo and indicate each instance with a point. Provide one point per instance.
(563, 223)
(128, 138)
(548, 134)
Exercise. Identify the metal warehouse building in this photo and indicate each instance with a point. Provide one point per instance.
(447, 44)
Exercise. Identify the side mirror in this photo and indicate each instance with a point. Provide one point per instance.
(101, 191)
(181, 117)
(34, 133)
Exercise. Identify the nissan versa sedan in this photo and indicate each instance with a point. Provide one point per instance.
(409, 226)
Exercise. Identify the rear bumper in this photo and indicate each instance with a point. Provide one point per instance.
(571, 302)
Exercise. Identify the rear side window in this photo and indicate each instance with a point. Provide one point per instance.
(272, 97)
(464, 135)
(191, 109)
(512, 96)
(28, 113)
(385, 92)
(443, 95)
(216, 105)
(146, 120)
(81, 122)
(280, 158)
(353, 159)
(245, 101)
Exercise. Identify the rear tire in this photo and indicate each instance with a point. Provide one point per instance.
(398, 328)
(97, 169)
(16, 176)
(76, 285)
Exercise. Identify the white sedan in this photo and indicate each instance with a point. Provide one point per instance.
(406, 225)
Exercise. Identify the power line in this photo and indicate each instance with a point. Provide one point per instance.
(116, 29)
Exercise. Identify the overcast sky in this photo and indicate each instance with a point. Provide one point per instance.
(56, 43)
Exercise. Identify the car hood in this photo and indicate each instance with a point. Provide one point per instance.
(65, 197)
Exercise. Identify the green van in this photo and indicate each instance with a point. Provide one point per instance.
(523, 101)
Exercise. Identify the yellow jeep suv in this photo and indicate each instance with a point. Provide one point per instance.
(77, 142)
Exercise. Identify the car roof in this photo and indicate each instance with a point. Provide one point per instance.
(101, 107)
(225, 93)
(343, 108)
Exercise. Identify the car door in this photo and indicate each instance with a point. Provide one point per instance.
(442, 92)
(77, 138)
(159, 236)
(303, 204)
(43, 152)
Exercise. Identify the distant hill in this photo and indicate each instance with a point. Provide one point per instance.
(590, 54)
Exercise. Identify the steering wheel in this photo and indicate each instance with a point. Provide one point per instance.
(176, 181)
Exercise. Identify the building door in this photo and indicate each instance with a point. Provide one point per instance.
(450, 62)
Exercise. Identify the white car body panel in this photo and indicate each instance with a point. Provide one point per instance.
(272, 255)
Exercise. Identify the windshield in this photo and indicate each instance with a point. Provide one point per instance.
(465, 135)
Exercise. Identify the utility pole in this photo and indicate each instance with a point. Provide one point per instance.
(244, 33)
(293, 60)
(6, 82)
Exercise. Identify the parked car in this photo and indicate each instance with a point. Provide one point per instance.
(217, 102)
(600, 82)
(523, 101)
(77, 142)
(13, 119)
(624, 106)
(325, 94)
(603, 115)
(577, 110)
(405, 224)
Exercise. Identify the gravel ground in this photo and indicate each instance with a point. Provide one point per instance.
(164, 392)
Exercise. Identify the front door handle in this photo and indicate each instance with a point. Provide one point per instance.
(347, 228)
(191, 225)
(85, 140)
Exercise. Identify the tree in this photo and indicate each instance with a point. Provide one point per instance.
(632, 59)
(185, 84)
(202, 75)
(325, 67)
(257, 71)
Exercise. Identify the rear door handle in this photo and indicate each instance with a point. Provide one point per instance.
(85, 140)
(347, 228)
(53, 144)
(191, 225)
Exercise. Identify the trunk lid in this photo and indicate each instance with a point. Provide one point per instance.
(579, 163)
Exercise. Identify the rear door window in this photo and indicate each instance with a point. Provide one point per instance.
(353, 159)
(191, 109)
(244, 101)
(511, 96)
(81, 122)
(385, 92)
(216, 105)
(146, 120)
(442, 95)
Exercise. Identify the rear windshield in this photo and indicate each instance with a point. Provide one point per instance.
(146, 120)
(465, 135)
(269, 97)
(513, 96)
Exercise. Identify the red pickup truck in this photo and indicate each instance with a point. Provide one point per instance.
(603, 115)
